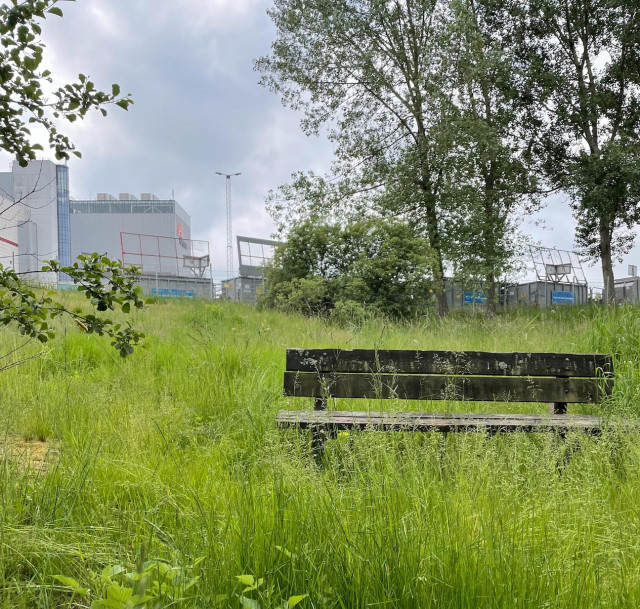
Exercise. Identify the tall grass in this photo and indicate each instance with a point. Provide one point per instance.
(173, 454)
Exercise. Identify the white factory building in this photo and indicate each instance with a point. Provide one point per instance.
(39, 222)
(34, 216)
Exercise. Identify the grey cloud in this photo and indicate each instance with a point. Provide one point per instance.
(198, 109)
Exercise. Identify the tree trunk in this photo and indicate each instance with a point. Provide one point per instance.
(430, 207)
(608, 291)
(489, 228)
(438, 266)
(490, 291)
(439, 288)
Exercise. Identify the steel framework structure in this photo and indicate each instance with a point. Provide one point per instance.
(165, 256)
(551, 264)
(253, 254)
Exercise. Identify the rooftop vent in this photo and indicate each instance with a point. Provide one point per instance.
(105, 196)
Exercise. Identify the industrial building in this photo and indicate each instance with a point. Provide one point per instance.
(39, 222)
(150, 233)
(560, 280)
(97, 225)
(34, 225)
(543, 294)
(627, 289)
(10, 218)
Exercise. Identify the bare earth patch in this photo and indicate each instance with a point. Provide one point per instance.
(35, 455)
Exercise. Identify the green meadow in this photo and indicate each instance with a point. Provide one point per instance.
(160, 480)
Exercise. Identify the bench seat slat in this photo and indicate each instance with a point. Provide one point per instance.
(444, 422)
(473, 388)
(469, 363)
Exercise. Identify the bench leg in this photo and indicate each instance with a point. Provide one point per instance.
(558, 408)
(318, 435)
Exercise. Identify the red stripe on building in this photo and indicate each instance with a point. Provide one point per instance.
(9, 242)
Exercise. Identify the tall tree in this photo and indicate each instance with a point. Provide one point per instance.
(494, 175)
(373, 71)
(583, 59)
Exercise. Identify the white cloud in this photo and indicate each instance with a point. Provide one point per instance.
(212, 15)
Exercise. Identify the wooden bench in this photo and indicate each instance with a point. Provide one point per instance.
(555, 378)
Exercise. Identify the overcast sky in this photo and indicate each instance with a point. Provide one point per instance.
(198, 109)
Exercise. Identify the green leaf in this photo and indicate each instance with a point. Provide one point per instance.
(294, 600)
(249, 603)
(54, 10)
(138, 600)
(67, 581)
(106, 603)
(218, 599)
(109, 572)
(116, 592)
(247, 580)
(71, 583)
(286, 552)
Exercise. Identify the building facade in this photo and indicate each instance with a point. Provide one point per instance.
(10, 218)
(34, 217)
(39, 221)
(98, 225)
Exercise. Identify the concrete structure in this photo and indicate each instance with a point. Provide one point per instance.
(35, 200)
(96, 225)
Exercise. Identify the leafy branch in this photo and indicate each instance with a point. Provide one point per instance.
(106, 283)
(22, 98)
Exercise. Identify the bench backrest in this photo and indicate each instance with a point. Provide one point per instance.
(448, 375)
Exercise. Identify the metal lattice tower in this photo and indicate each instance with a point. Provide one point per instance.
(228, 177)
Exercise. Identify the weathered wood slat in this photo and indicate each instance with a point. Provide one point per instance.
(444, 422)
(410, 415)
(469, 363)
(460, 389)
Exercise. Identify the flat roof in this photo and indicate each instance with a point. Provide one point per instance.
(152, 206)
